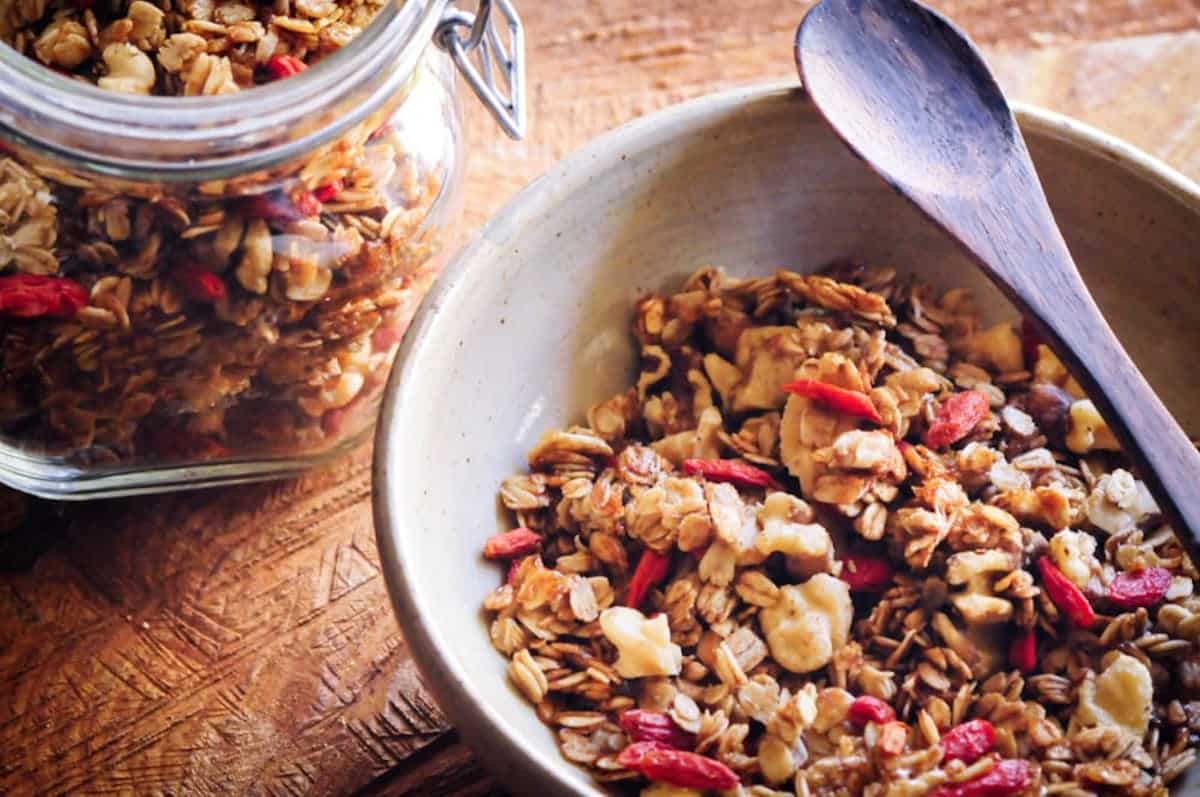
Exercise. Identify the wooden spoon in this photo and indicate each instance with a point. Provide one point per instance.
(910, 95)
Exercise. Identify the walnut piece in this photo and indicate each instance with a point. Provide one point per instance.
(1119, 697)
(644, 647)
(785, 529)
(808, 622)
(1118, 502)
(1073, 552)
(976, 570)
(1087, 431)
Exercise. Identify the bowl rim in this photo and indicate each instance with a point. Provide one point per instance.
(481, 724)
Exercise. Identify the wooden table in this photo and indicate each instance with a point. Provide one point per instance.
(239, 641)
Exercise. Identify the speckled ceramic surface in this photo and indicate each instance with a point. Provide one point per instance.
(530, 325)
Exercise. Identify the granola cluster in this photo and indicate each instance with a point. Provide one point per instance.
(843, 539)
(240, 317)
(181, 47)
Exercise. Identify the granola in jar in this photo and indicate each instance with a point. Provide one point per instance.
(243, 314)
(842, 538)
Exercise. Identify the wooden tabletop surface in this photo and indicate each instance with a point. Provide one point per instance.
(239, 641)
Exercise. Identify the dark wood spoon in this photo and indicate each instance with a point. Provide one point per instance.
(910, 95)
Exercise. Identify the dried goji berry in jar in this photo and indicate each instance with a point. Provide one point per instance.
(506, 545)
(1142, 588)
(35, 296)
(199, 284)
(1065, 595)
(847, 402)
(329, 191)
(281, 66)
(870, 709)
(279, 207)
(733, 471)
(968, 742)
(680, 768)
(955, 419)
(651, 726)
(866, 573)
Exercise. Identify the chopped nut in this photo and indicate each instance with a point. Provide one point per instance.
(974, 569)
(1087, 431)
(644, 646)
(997, 348)
(808, 622)
(1073, 553)
(1121, 697)
(1119, 502)
(807, 546)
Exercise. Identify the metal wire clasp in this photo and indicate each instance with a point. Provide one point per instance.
(499, 78)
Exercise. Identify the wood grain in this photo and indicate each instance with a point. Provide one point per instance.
(239, 641)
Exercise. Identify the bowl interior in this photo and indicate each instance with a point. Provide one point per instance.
(530, 326)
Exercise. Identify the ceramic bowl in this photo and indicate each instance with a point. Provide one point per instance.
(530, 325)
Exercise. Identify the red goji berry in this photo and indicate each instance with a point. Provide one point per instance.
(34, 296)
(1065, 595)
(1022, 654)
(677, 767)
(329, 191)
(1145, 588)
(508, 544)
(651, 569)
(733, 471)
(198, 283)
(870, 709)
(307, 203)
(281, 66)
(866, 573)
(650, 726)
(957, 416)
(847, 402)
(631, 756)
(968, 742)
(1008, 778)
(279, 207)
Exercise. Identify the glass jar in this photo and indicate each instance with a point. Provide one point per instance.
(204, 290)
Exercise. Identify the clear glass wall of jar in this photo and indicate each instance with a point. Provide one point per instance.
(203, 290)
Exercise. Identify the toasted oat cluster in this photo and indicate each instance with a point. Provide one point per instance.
(842, 539)
(244, 316)
(181, 47)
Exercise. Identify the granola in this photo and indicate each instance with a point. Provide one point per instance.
(849, 542)
(254, 315)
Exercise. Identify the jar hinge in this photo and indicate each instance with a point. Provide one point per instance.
(499, 77)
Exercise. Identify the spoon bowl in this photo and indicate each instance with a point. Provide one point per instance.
(910, 95)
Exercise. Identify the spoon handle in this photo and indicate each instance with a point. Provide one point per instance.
(1167, 460)
(1021, 248)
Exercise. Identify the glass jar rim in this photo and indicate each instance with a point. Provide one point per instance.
(186, 139)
